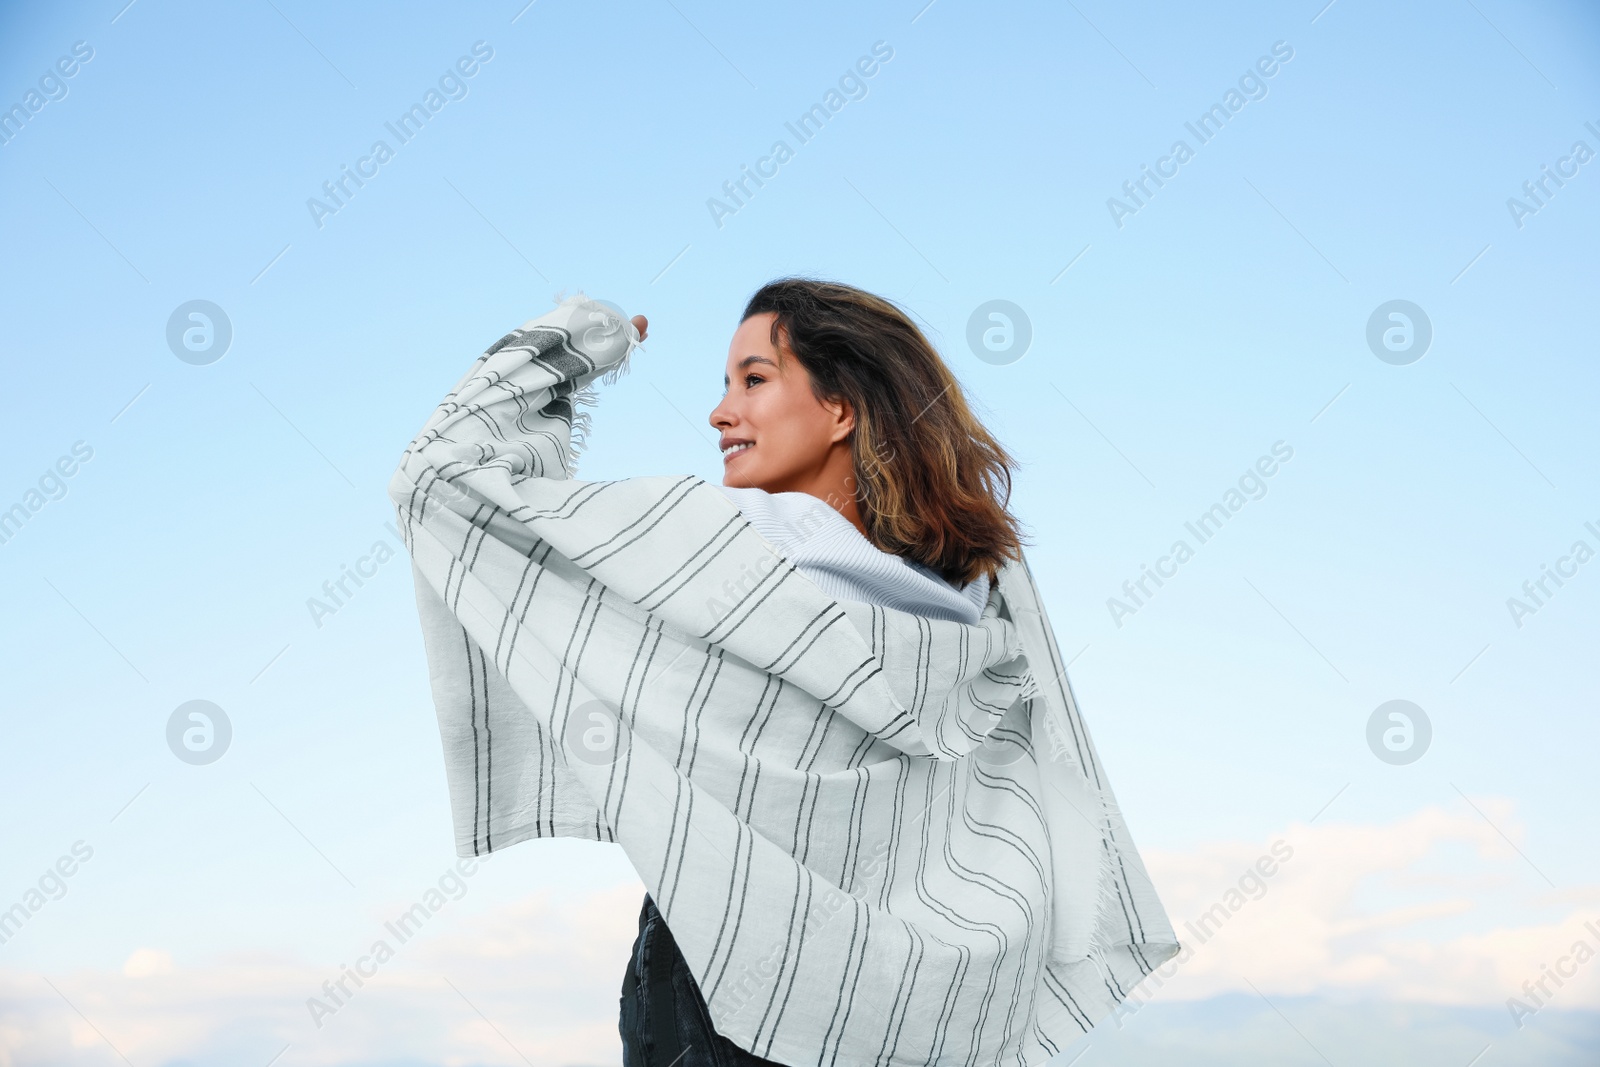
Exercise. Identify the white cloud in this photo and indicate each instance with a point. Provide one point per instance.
(145, 962)
(1435, 907)
(545, 973)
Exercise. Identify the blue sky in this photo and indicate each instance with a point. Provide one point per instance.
(1227, 313)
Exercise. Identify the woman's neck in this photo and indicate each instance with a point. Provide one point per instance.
(833, 482)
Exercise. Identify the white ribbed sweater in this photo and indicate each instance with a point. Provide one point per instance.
(826, 547)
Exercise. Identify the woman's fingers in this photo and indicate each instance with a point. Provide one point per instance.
(642, 324)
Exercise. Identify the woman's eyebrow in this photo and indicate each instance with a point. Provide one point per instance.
(746, 361)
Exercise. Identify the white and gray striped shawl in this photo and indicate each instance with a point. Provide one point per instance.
(877, 838)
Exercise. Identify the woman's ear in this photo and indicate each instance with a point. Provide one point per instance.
(844, 418)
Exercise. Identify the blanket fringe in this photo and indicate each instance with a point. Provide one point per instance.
(1108, 900)
(587, 396)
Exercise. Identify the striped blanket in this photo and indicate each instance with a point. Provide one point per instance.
(877, 838)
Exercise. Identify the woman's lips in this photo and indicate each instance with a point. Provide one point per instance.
(737, 451)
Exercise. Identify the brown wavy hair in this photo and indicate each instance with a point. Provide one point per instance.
(931, 483)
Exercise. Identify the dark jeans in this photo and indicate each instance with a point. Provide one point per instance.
(664, 1020)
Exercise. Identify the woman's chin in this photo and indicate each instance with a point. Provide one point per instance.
(740, 475)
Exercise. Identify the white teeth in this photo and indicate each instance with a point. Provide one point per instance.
(737, 448)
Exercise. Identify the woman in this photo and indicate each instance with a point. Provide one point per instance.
(819, 706)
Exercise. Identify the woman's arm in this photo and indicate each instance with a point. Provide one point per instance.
(515, 408)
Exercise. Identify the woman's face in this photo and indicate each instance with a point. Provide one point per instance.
(776, 435)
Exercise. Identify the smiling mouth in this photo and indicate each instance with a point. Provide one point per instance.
(734, 450)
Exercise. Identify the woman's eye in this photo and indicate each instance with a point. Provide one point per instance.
(752, 379)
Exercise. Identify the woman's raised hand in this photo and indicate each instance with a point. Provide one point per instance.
(641, 323)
